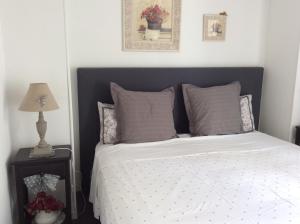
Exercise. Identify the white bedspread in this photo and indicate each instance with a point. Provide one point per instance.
(247, 178)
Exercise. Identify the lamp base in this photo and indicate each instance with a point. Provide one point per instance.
(45, 151)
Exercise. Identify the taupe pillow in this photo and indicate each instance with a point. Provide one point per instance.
(214, 110)
(143, 116)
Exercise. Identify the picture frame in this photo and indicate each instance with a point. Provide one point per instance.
(151, 25)
(214, 27)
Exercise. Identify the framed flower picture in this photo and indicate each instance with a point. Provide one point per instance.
(151, 25)
(214, 27)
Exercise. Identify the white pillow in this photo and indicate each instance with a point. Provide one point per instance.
(108, 123)
(248, 124)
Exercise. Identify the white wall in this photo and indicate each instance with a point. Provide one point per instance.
(5, 207)
(281, 69)
(35, 49)
(296, 104)
(95, 35)
(95, 38)
(34, 45)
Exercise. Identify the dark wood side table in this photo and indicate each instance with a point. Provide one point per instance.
(297, 138)
(23, 166)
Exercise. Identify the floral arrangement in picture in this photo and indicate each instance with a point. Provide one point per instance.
(155, 16)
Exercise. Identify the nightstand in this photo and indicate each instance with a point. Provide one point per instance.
(297, 137)
(23, 166)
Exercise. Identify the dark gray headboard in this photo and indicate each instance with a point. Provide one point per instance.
(93, 86)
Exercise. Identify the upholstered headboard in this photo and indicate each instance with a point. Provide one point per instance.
(93, 86)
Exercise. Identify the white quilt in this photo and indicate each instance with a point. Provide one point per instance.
(247, 178)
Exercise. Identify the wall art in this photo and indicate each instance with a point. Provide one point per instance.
(151, 25)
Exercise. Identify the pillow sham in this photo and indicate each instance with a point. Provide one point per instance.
(248, 124)
(108, 123)
(213, 110)
(143, 116)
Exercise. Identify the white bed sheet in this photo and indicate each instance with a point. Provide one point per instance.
(248, 178)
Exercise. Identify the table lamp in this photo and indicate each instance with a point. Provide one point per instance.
(38, 99)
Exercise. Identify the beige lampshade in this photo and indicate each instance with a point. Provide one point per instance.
(38, 98)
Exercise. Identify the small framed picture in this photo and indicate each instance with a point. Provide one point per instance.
(214, 27)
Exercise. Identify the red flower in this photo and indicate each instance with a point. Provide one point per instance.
(41, 194)
(155, 14)
(43, 202)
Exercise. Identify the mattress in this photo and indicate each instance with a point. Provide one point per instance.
(247, 178)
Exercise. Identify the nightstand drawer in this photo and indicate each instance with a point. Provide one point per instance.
(53, 168)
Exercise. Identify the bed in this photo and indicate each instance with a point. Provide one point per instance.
(245, 178)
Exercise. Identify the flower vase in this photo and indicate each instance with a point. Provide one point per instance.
(154, 25)
(43, 217)
(153, 31)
